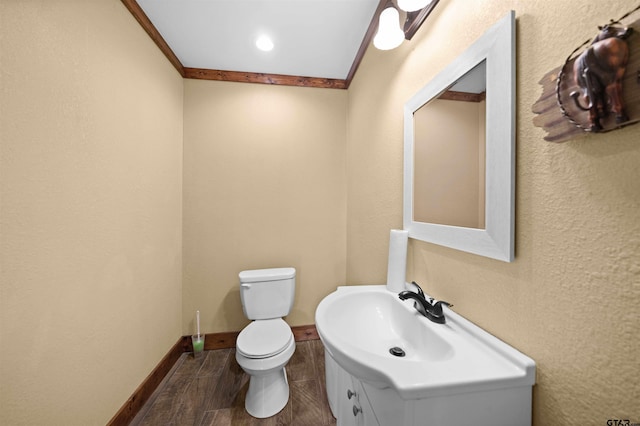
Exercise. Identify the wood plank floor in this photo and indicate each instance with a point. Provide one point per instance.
(210, 390)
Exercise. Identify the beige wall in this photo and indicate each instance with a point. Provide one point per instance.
(91, 125)
(264, 186)
(571, 299)
(90, 187)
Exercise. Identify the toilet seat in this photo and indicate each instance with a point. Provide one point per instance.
(264, 338)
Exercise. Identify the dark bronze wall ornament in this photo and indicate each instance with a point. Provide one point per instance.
(597, 89)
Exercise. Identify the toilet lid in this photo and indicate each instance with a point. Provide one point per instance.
(264, 338)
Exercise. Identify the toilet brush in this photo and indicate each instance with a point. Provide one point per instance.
(197, 340)
(198, 323)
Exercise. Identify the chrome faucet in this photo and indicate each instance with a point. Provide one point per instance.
(428, 308)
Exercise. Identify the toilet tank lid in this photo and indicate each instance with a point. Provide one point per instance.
(272, 274)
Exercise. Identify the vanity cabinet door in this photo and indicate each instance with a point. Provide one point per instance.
(349, 411)
(332, 378)
(357, 409)
(366, 410)
(347, 398)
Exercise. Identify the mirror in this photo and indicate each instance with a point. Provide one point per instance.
(449, 150)
(459, 150)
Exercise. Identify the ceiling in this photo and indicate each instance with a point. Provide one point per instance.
(314, 40)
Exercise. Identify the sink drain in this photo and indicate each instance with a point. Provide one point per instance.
(396, 351)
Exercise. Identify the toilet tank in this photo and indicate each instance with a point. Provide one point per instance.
(267, 293)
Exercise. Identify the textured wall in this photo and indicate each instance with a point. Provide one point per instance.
(264, 186)
(571, 299)
(90, 188)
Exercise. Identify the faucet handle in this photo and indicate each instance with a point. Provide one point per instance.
(420, 292)
(437, 307)
(417, 305)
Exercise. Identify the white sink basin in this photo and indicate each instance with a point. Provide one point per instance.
(359, 324)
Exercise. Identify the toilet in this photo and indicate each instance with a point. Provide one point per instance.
(265, 346)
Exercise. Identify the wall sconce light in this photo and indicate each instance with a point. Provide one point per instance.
(389, 35)
(413, 5)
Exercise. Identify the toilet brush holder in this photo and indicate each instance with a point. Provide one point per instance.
(197, 341)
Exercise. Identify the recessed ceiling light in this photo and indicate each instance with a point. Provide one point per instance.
(264, 43)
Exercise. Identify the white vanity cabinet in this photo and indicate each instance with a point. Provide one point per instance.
(355, 403)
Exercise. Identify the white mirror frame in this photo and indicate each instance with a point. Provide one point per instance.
(497, 47)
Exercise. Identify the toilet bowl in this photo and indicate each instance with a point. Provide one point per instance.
(266, 345)
(268, 387)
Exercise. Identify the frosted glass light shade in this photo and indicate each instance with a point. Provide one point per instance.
(413, 5)
(389, 35)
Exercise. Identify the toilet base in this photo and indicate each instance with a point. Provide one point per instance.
(268, 394)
